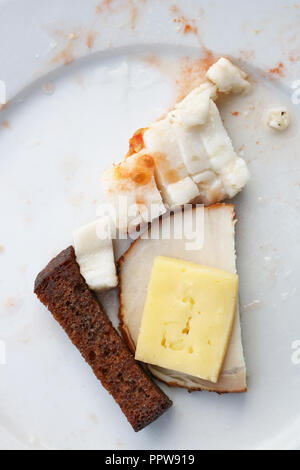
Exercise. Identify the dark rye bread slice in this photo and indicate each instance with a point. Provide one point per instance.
(64, 291)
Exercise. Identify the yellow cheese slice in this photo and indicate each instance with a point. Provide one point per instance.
(188, 318)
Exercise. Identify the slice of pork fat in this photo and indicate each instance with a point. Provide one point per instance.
(218, 251)
(186, 157)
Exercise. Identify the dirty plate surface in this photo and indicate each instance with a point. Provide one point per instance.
(80, 78)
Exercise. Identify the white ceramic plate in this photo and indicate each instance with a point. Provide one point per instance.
(63, 125)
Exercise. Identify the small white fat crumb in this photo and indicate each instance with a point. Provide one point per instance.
(279, 118)
(227, 77)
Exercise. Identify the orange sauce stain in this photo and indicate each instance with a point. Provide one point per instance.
(294, 55)
(174, 9)
(136, 143)
(133, 14)
(132, 6)
(185, 73)
(170, 175)
(90, 39)
(120, 171)
(60, 33)
(139, 177)
(278, 70)
(65, 56)
(48, 88)
(192, 73)
(6, 124)
(235, 113)
(187, 26)
(147, 161)
(10, 302)
(140, 201)
(190, 29)
(154, 61)
(102, 6)
(138, 170)
(247, 54)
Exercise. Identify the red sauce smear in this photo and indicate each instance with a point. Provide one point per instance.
(136, 143)
(190, 29)
(10, 302)
(188, 26)
(140, 171)
(90, 39)
(277, 70)
(133, 14)
(105, 4)
(171, 176)
(65, 56)
(192, 73)
(186, 73)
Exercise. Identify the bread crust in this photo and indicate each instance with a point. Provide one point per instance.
(61, 287)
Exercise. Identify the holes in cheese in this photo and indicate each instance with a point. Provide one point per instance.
(188, 318)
